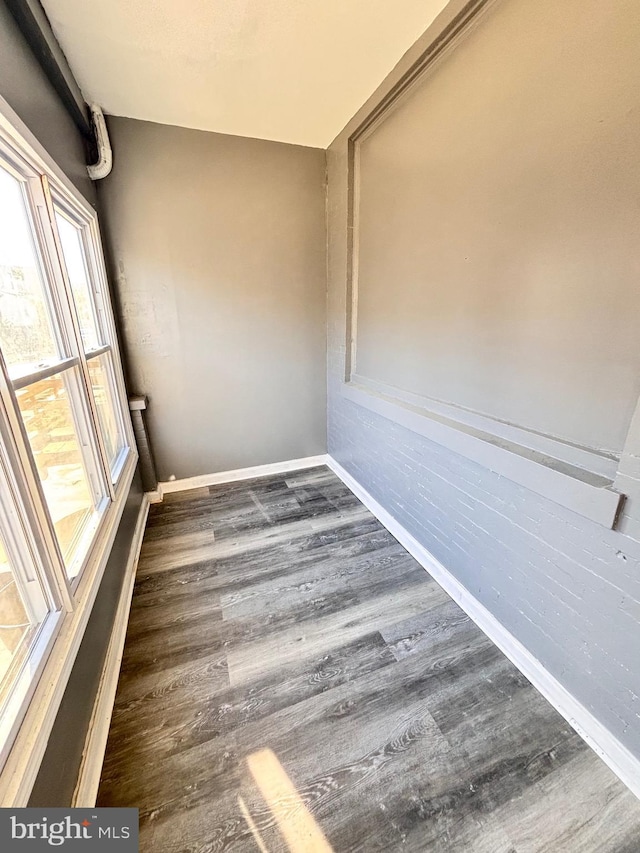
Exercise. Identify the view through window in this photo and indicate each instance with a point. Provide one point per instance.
(17, 625)
(33, 341)
(65, 434)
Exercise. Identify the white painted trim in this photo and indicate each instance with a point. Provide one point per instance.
(579, 490)
(240, 474)
(17, 131)
(622, 762)
(603, 463)
(86, 790)
(75, 601)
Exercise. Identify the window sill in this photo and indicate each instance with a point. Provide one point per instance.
(574, 477)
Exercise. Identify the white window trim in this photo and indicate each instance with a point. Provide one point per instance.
(18, 774)
(23, 762)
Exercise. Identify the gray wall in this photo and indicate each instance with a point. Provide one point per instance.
(218, 245)
(498, 224)
(567, 588)
(25, 87)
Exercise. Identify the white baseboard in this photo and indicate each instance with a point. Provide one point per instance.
(238, 474)
(623, 763)
(86, 789)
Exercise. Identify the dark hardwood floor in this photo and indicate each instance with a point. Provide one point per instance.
(294, 681)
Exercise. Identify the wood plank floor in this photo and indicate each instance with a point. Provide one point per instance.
(294, 681)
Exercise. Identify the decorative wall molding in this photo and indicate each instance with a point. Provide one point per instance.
(619, 759)
(86, 790)
(599, 462)
(579, 489)
(585, 480)
(455, 29)
(627, 479)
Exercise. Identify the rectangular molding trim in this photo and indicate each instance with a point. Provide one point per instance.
(86, 790)
(238, 474)
(584, 492)
(590, 461)
(619, 759)
(586, 480)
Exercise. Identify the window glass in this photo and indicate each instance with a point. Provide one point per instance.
(63, 425)
(102, 383)
(17, 628)
(50, 409)
(77, 271)
(27, 337)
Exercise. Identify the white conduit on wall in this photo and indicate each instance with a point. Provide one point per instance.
(105, 156)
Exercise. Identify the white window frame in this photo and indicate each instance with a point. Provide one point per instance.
(71, 602)
(91, 242)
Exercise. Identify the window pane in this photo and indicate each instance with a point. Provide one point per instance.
(54, 437)
(27, 338)
(75, 262)
(16, 628)
(102, 382)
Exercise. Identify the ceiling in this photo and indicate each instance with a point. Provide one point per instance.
(290, 70)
